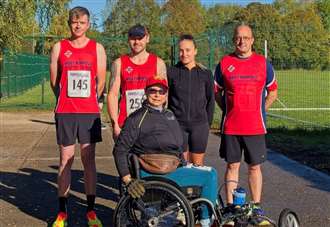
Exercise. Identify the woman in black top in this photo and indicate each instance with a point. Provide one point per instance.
(191, 98)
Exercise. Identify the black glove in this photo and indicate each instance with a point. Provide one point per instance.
(135, 188)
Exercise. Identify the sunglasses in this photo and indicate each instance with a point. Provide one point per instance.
(243, 38)
(154, 91)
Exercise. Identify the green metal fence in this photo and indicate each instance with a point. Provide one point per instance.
(211, 46)
(304, 95)
(20, 72)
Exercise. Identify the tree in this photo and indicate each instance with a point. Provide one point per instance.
(59, 24)
(58, 29)
(93, 31)
(219, 15)
(285, 6)
(304, 35)
(323, 8)
(126, 13)
(295, 38)
(16, 21)
(46, 12)
(183, 16)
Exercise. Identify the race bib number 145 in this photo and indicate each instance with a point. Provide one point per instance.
(79, 83)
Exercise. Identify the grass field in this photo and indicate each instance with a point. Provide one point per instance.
(30, 100)
(302, 89)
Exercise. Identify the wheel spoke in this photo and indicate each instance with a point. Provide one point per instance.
(163, 205)
(291, 220)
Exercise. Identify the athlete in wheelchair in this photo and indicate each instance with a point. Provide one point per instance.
(160, 190)
(152, 132)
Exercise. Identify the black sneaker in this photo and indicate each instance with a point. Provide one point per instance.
(228, 213)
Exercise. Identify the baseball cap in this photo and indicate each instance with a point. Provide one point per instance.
(137, 30)
(156, 81)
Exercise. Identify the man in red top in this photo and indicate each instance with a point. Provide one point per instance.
(245, 88)
(75, 66)
(129, 74)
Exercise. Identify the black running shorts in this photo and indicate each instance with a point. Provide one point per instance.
(254, 148)
(195, 137)
(84, 127)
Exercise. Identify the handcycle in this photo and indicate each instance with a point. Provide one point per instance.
(165, 203)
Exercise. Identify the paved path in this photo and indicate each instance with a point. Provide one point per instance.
(29, 161)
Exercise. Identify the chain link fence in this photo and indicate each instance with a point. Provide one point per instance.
(21, 72)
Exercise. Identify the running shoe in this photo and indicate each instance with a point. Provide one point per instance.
(93, 221)
(257, 219)
(61, 220)
(228, 212)
(229, 224)
(181, 217)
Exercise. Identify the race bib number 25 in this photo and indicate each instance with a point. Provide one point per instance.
(79, 83)
(134, 100)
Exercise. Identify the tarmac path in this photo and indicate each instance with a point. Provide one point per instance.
(29, 161)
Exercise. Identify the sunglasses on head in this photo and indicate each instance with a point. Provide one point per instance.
(154, 91)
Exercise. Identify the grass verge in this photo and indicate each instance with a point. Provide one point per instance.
(309, 147)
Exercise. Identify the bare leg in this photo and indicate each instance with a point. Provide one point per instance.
(255, 182)
(64, 170)
(232, 174)
(197, 158)
(88, 160)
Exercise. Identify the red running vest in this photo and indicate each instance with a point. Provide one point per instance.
(133, 81)
(245, 84)
(77, 87)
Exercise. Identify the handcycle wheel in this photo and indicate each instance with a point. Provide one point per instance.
(288, 218)
(161, 205)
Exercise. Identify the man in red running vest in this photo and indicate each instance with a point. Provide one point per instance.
(129, 74)
(245, 88)
(77, 77)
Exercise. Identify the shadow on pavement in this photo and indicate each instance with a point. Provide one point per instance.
(43, 122)
(35, 193)
(316, 178)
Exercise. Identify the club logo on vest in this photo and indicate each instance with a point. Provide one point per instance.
(129, 69)
(68, 53)
(231, 68)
